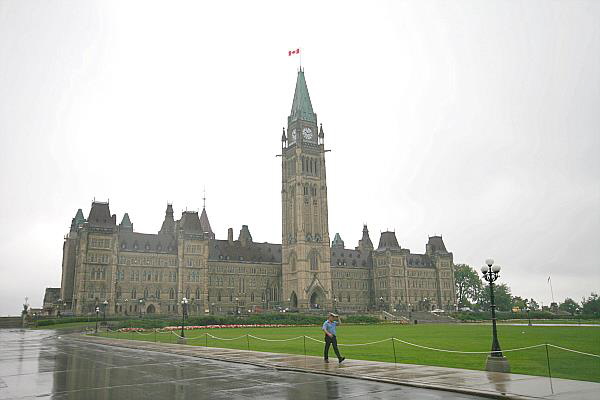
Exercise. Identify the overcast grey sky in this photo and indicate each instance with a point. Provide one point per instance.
(475, 120)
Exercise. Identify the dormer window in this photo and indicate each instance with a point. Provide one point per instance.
(123, 245)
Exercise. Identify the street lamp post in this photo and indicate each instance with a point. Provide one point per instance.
(184, 303)
(141, 302)
(126, 302)
(104, 305)
(496, 361)
(237, 306)
(409, 311)
(335, 300)
(381, 303)
(97, 312)
(528, 317)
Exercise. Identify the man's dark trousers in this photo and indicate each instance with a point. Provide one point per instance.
(331, 341)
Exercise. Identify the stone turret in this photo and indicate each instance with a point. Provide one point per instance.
(245, 237)
(337, 243)
(365, 244)
(168, 225)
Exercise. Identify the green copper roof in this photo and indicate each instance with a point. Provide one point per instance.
(126, 221)
(301, 107)
(79, 218)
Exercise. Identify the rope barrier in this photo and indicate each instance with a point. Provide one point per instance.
(362, 344)
(574, 351)
(464, 352)
(368, 343)
(275, 340)
(236, 338)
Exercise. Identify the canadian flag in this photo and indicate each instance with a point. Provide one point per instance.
(297, 51)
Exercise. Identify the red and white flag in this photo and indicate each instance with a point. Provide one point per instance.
(297, 51)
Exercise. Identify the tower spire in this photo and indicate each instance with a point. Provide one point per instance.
(301, 106)
(204, 198)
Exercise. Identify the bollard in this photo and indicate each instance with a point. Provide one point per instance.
(394, 347)
(155, 335)
(248, 340)
(206, 340)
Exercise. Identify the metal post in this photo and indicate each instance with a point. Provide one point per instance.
(394, 347)
(549, 371)
(304, 339)
(97, 311)
(248, 340)
(206, 339)
(496, 351)
(154, 335)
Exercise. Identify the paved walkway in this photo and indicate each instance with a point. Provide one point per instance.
(492, 384)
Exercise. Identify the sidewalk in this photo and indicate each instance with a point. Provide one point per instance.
(491, 384)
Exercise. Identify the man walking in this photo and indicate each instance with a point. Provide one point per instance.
(329, 328)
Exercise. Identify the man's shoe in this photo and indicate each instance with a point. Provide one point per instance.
(342, 359)
(326, 360)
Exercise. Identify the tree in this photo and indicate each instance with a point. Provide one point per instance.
(591, 305)
(517, 301)
(533, 305)
(569, 305)
(502, 297)
(468, 285)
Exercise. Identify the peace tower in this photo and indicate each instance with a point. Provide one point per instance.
(306, 269)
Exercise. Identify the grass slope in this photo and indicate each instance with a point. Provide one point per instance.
(463, 337)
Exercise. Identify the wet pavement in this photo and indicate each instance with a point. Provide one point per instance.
(44, 365)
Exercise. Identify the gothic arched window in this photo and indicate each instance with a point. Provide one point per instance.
(171, 293)
(314, 261)
(293, 262)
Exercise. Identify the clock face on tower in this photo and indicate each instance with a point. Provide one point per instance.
(307, 132)
(294, 135)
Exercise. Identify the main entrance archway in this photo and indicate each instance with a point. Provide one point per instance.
(317, 299)
(151, 309)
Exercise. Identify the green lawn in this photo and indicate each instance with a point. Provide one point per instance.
(462, 337)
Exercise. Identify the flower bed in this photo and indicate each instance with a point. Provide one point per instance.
(190, 327)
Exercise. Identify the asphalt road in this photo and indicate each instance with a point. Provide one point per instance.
(44, 365)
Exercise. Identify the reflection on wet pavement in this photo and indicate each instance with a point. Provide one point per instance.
(41, 364)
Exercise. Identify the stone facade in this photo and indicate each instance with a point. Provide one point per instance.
(137, 273)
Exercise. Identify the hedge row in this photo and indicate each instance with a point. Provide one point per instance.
(504, 315)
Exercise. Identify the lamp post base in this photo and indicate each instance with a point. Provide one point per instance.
(181, 340)
(497, 364)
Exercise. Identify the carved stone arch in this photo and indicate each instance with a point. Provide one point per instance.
(293, 300)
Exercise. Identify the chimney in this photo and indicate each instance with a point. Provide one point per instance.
(230, 235)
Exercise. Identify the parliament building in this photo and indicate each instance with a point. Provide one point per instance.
(110, 265)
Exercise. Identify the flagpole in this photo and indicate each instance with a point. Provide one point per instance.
(551, 290)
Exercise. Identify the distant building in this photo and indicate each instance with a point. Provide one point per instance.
(151, 273)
